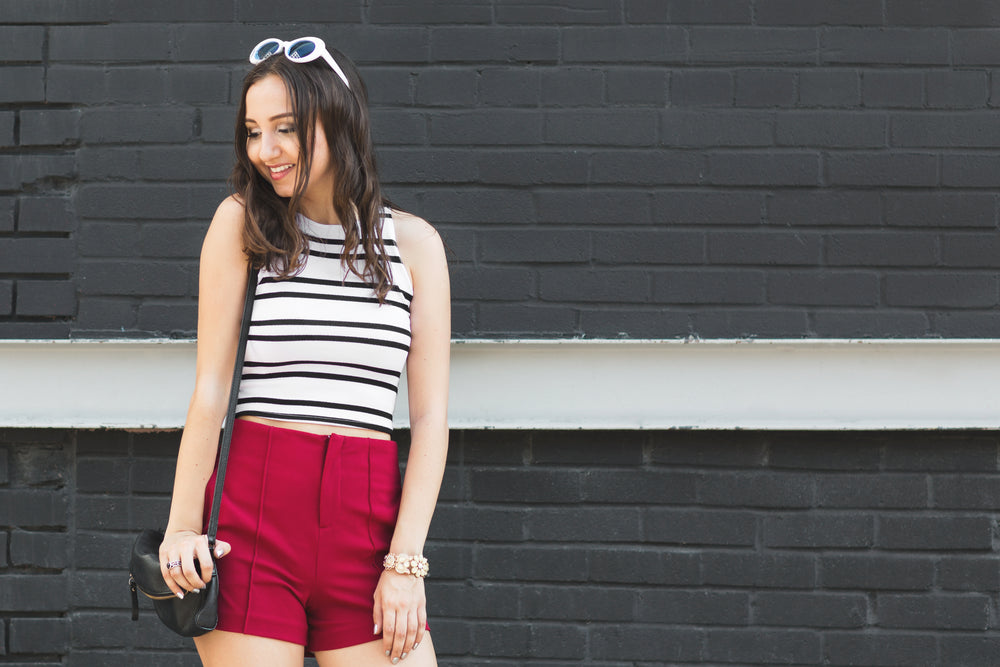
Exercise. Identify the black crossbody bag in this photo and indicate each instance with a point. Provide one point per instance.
(197, 613)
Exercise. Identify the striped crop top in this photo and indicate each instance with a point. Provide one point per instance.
(321, 349)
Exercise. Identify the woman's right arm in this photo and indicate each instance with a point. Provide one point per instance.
(221, 285)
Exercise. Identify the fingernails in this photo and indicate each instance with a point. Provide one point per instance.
(387, 653)
(415, 645)
(375, 631)
(180, 594)
(395, 660)
(403, 657)
(218, 552)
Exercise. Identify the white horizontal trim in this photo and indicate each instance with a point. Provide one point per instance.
(563, 384)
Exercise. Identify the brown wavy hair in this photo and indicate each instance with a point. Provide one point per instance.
(271, 237)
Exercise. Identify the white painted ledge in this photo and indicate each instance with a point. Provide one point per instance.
(564, 384)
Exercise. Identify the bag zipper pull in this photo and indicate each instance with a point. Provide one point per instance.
(135, 597)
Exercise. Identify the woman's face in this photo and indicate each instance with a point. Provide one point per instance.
(273, 142)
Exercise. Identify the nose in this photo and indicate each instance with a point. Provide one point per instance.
(269, 148)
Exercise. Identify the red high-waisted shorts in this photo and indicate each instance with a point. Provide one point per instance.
(309, 518)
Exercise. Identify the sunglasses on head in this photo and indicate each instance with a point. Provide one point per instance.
(301, 50)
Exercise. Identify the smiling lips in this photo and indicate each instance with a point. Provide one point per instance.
(279, 172)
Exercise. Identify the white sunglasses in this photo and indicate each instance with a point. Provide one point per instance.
(301, 50)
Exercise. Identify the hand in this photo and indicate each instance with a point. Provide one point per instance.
(187, 546)
(400, 613)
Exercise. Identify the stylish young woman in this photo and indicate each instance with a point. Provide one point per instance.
(320, 546)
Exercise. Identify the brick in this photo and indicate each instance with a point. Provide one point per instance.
(258, 10)
(78, 84)
(875, 571)
(756, 489)
(618, 524)
(39, 171)
(940, 210)
(491, 127)
(592, 604)
(546, 247)
(39, 635)
(494, 600)
(624, 44)
(22, 84)
(109, 239)
(101, 550)
(484, 524)
(660, 487)
(635, 86)
(941, 452)
(102, 475)
(591, 206)
(617, 286)
(953, 290)
(549, 486)
(887, 650)
(642, 565)
(740, 323)
(570, 86)
(107, 163)
(826, 288)
(708, 527)
(760, 168)
(842, 208)
(810, 531)
(121, 42)
(817, 12)
(49, 127)
(631, 127)
(811, 609)
(46, 214)
(758, 570)
(751, 46)
(6, 297)
(701, 88)
(188, 163)
(37, 255)
(939, 612)
(957, 89)
(858, 324)
(530, 563)
(829, 88)
(647, 167)
(136, 85)
(708, 208)
(496, 640)
(426, 12)
(885, 169)
(764, 247)
(531, 319)
(102, 513)
(764, 88)
(650, 247)
(56, 11)
(171, 239)
(768, 647)
(642, 322)
(172, 319)
(7, 119)
(956, 130)
(974, 47)
(972, 13)
(39, 549)
(685, 128)
(33, 592)
(435, 166)
(646, 642)
(970, 170)
(182, 10)
(47, 298)
(506, 87)
(446, 87)
(968, 573)
(883, 249)
(21, 43)
(934, 533)
(31, 508)
(557, 641)
(967, 650)
(96, 590)
(561, 12)
(218, 124)
(508, 284)
(967, 491)
(704, 607)
(506, 45)
(872, 491)
(884, 46)
(10, 173)
(123, 124)
(125, 278)
(892, 88)
(158, 202)
(163, 444)
(831, 129)
(531, 167)
(4, 471)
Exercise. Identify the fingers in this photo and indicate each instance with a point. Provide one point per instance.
(421, 626)
(388, 632)
(398, 638)
(204, 560)
(186, 563)
(222, 548)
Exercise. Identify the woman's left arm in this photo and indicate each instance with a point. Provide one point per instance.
(400, 603)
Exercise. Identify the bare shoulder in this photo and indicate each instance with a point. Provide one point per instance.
(224, 240)
(419, 243)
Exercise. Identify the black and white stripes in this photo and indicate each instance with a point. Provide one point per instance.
(321, 348)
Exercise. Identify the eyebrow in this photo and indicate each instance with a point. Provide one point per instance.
(280, 115)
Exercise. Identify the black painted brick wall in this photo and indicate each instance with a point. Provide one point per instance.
(648, 168)
(565, 548)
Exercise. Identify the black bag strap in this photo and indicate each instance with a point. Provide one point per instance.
(227, 431)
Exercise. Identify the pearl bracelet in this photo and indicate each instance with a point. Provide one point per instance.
(406, 564)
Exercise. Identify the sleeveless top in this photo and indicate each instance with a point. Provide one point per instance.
(321, 349)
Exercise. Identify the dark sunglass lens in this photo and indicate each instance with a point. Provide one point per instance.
(300, 50)
(266, 50)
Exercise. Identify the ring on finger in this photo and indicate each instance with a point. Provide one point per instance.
(172, 564)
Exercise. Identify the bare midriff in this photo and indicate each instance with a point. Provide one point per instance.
(320, 429)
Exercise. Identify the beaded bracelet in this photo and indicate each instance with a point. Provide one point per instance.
(406, 564)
